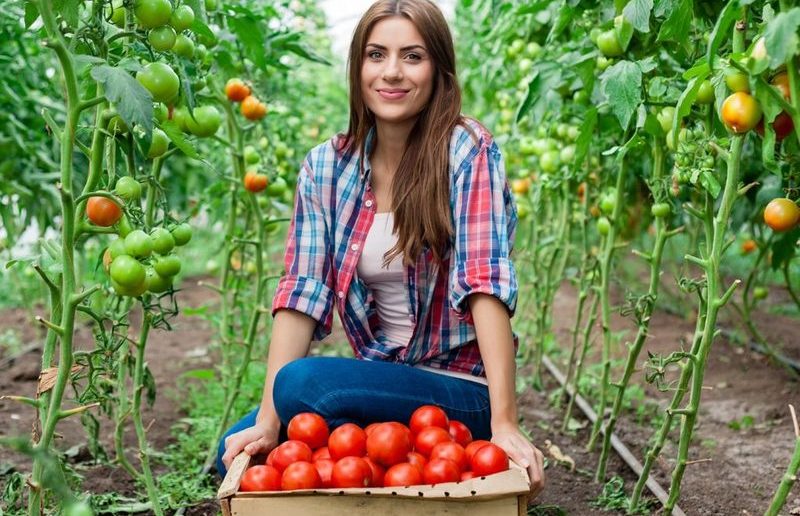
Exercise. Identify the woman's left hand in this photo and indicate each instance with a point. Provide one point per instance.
(523, 452)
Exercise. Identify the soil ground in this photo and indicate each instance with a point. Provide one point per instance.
(732, 471)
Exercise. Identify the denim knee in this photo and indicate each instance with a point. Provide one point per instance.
(290, 391)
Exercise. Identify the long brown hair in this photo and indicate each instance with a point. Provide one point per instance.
(421, 193)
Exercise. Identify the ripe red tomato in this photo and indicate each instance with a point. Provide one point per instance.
(489, 459)
(781, 214)
(417, 459)
(388, 444)
(325, 469)
(351, 472)
(474, 446)
(368, 430)
(428, 415)
(466, 475)
(236, 90)
(452, 451)
(255, 182)
(310, 428)
(348, 439)
(290, 452)
(321, 453)
(460, 432)
(271, 457)
(378, 472)
(300, 475)
(403, 474)
(430, 437)
(438, 471)
(261, 478)
(103, 211)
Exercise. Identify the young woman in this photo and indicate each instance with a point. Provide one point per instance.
(405, 224)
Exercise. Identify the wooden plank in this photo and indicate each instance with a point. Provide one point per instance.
(225, 505)
(230, 484)
(314, 505)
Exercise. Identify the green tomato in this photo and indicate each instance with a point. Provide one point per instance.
(515, 48)
(567, 154)
(580, 97)
(198, 84)
(201, 52)
(182, 233)
(160, 112)
(277, 187)
(281, 150)
(573, 132)
(127, 271)
(162, 38)
(117, 126)
(160, 80)
(184, 46)
(609, 44)
(251, 156)
(594, 34)
(736, 80)
(602, 63)
(603, 226)
(132, 291)
(117, 248)
(179, 116)
(158, 144)
(525, 65)
(139, 244)
(665, 117)
(661, 209)
(156, 283)
(117, 14)
(705, 94)
(168, 266)
(152, 13)
(206, 121)
(163, 241)
(128, 188)
(549, 161)
(608, 203)
(182, 18)
(760, 293)
(533, 49)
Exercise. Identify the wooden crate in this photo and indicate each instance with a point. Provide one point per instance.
(501, 494)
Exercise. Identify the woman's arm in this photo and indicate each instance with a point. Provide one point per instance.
(496, 344)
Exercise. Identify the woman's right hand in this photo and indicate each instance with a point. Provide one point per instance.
(261, 438)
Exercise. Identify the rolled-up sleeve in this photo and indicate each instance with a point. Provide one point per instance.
(307, 282)
(484, 219)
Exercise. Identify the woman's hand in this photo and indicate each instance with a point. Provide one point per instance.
(523, 452)
(260, 438)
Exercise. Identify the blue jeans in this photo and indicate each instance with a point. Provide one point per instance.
(349, 390)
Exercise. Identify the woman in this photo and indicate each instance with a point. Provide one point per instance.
(406, 225)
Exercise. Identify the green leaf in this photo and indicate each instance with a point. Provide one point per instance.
(622, 84)
(785, 248)
(781, 37)
(201, 29)
(68, 10)
(133, 102)
(721, 30)
(624, 30)
(638, 12)
(200, 374)
(675, 26)
(251, 36)
(565, 16)
(176, 136)
(684, 106)
(534, 88)
(31, 14)
(664, 7)
(709, 183)
(586, 134)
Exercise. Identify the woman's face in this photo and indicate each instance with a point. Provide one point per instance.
(397, 72)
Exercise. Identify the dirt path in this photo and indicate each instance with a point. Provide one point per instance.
(736, 470)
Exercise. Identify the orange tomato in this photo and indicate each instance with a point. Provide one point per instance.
(103, 211)
(748, 246)
(255, 182)
(781, 214)
(740, 112)
(521, 186)
(237, 90)
(253, 109)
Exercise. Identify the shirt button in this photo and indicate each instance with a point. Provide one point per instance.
(368, 204)
(354, 247)
(341, 294)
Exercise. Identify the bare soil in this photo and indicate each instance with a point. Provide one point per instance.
(733, 471)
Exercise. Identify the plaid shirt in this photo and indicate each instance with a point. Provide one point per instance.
(334, 209)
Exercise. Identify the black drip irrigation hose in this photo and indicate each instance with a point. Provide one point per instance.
(619, 447)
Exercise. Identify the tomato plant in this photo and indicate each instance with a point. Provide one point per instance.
(160, 80)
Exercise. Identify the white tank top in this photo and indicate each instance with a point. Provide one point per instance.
(389, 290)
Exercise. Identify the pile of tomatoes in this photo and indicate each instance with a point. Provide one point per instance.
(432, 449)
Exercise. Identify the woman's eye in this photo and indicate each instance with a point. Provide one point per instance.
(374, 54)
(415, 57)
